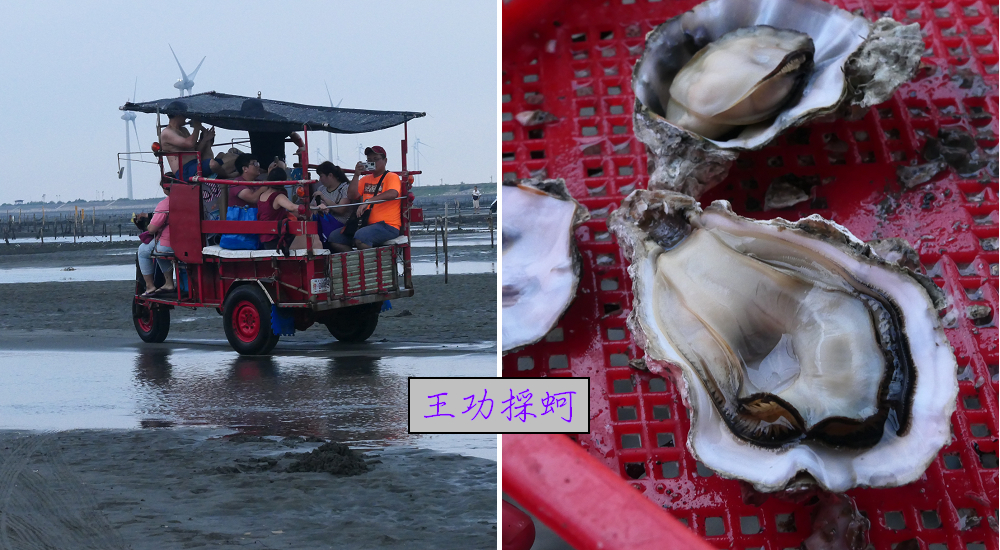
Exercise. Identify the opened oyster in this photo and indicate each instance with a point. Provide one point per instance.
(541, 266)
(795, 347)
(731, 75)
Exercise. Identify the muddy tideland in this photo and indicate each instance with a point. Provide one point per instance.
(223, 473)
(195, 487)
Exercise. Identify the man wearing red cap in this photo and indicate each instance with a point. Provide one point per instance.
(384, 220)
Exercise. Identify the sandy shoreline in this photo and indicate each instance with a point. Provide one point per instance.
(179, 488)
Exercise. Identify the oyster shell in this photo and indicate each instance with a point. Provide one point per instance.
(541, 266)
(796, 348)
(856, 64)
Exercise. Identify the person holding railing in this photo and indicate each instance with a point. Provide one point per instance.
(384, 219)
(175, 138)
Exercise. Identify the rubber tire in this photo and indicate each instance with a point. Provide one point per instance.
(151, 323)
(353, 324)
(246, 318)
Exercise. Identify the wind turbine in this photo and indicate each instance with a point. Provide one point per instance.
(416, 156)
(330, 136)
(185, 82)
(129, 116)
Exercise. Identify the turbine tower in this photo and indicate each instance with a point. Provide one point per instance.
(129, 116)
(330, 136)
(185, 82)
(416, 156)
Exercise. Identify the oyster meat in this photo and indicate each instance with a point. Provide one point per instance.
(541, 266)
(742, 78)
(795, 346)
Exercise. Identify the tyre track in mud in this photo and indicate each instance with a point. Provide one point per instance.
(55, 509)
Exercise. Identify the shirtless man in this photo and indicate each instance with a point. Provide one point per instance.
(175, 137)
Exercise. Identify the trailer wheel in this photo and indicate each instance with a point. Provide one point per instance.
(151, 322)
(353, 324)
(246, 318)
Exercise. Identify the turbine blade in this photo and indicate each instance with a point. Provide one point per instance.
(183, 74)
(339, 102)
(137, 142)
(134, 88)
(196, 68)
(328, 93)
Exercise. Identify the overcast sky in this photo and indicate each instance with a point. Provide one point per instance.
(66, 67)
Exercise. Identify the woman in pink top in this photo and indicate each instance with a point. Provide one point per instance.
(160, 229)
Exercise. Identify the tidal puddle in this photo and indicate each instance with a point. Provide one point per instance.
(359, 400)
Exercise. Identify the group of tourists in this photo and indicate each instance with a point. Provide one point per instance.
(354, 213)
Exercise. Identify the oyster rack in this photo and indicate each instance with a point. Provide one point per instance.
(576, 63)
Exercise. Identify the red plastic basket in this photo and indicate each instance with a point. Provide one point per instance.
(576, 64)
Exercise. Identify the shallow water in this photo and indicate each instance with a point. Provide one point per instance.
(356, 399)
(127, 272)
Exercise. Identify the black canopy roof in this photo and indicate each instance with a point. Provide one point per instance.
(251, 114)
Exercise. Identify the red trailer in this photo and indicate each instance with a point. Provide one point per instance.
(263, 294)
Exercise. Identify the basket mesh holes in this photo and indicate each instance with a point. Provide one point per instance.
(608, 310)
(979, 430)
(703, 471)
(537, 133)
(714, 527)
(619, 359)
(660, 412)
(749, 525)
(930, 519)
(627, 413)
(554, 335)
(806, 160)
(665, 440)
(616, 109)
(658, 385)
(595, 172)
(671, 470)
(631, 441)
(507, 136)
(557, 362)
(975, 546)
(614, 90)
(623, 385)
(508, 156)
(525, 363)
(952, 462)
(587, 111)
(785, 523)
(607, 35)
(531, 78)
(988, 460)
(971, 403)
(937, 546)
(578, 37)
(506, 117)
(609, 283)
(505, 98)
(616, 334)
(895, 521)
(635, 470)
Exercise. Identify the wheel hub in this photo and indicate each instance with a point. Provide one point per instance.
(246, 322)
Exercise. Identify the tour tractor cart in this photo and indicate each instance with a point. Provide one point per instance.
(264, 294)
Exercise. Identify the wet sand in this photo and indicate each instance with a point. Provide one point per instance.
(192, 488)
(462, 311)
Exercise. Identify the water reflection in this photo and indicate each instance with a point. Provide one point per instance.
(357, 399)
